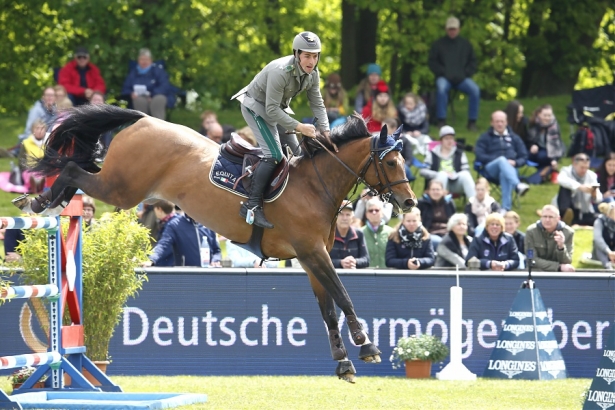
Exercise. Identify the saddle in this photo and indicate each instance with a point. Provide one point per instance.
(239, 151)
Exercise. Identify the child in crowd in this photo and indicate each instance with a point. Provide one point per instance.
(32, 149)
(413, 115)
(380, 108)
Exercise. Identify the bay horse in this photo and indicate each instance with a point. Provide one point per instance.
(151, 158)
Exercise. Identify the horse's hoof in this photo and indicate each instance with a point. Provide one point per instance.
(23, 202)
(348, 377)
(372, 359)
(369, 353)
(345, 371)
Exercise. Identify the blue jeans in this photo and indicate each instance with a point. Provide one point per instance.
(467, 86)
(507, 176)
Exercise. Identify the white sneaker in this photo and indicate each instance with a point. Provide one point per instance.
(522, 188)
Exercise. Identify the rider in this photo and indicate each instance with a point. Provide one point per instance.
(265, 104)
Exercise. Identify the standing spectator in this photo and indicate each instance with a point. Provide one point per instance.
(455, 245)
(501, 151)
(479, 206)
(335, 98)
(511, 226)
(552, 242)
(449, 165)
(579, 191)
(436, 209)
(518, 121)
(604, 238)
(148, 86)
(453, 62)
(62, 100)
(413, 115)
(409, 245)
(349, 249)
(89, 210)
(367, 87)
(380, 108)
(44, 109)
(81, 78)
(495, 249)
(544, 139)
(606, 178)
(376, 234)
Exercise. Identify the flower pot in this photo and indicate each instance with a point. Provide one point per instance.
(37, 385)
(418, 369)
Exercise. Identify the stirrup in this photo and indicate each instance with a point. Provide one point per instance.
(250, 215)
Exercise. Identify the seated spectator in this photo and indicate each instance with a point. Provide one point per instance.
(604, 238)
(335, 98)
(495, 249)
(606, 178)
(376, 233)
(89, 210)
(44, 109)
(578, 193)
(32, 149)
(409, 245)
(62, 100)
(501, 151)
(215, 132)
(361, 204)
(380, 108)
(436, 209)
(241, 258)
(479, 206)
(552, 242)
(518, 121)
(449, 165)
(148, 86)
(367, 87)
(413, 115)
(97, 98)
(453, 62)
(349, 249)
(207, 118)
(455, 245)
(544, 140)
(81, 78)
(180, 240)
(512, 220)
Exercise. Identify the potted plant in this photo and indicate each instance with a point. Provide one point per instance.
(112, 248)
(417, 353)
(18, 377)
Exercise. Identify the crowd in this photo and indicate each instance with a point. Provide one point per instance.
(481, 233)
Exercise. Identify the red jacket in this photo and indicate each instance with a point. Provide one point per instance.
(70, 79)
(372, 125)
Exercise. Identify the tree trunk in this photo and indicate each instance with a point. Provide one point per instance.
(367, 34)
(272, 20)
(349, 46)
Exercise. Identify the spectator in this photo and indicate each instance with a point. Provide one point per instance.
(552, 242)
(578, 192)
(479, 206)
(409, 245)
(361, 204)
(247, 134)
(455, 245)
(97, 98)
(44, 109)
(367, 87)
(148, 86)
(413, 115)
(81, 78)
(12, 238)
(606, 178)
(501, 151)
(89, 210)
(453, 63)
(511, 226)
(147, 218)
(517, 120)
(495, 249)
(545, 141)
(436, 209)
(604, 238)
(380, 108)
(62, 100)
(207, 118)
(32, 149)
(376, 234)
(335, 98)
(215, 132)
(449, 165)
(241, 258)
(349, 249)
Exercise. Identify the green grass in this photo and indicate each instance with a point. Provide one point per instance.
(326, 392)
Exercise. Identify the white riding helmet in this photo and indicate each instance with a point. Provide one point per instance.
(306, 41)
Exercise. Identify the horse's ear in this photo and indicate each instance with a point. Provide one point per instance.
(384, 134)
(397, 132)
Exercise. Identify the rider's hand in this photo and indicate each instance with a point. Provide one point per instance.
(307, 130)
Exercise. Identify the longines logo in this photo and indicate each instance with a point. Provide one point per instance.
(34, 315)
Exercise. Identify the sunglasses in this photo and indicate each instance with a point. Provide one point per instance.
(581, 159)
(82, 56)
(373, 211)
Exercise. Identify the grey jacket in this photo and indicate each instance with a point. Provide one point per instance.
(270, 92)
(546, 255)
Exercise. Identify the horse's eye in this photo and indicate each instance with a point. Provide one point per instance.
(392, 163)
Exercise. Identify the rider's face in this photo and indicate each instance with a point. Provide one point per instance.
(308, 61)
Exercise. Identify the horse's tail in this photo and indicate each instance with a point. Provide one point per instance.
(77, 137)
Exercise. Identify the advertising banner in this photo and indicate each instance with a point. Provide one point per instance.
(267, 322)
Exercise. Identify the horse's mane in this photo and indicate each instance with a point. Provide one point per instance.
(353, 129)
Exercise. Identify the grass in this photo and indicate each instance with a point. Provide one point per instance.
(326, 392)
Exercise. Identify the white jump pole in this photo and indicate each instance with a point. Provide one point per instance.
(455, 369)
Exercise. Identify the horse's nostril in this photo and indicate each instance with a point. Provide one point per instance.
(410, 203)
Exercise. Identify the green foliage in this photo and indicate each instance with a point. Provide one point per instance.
(112, 249)
(421, 347)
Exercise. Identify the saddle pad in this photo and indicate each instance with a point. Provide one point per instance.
(224, 173)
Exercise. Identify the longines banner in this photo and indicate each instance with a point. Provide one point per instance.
(227, 322)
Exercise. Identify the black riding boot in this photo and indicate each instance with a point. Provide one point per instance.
(260, 179)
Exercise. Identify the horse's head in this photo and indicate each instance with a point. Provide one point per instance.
(385, 171)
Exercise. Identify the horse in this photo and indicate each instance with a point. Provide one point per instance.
(151, 158)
